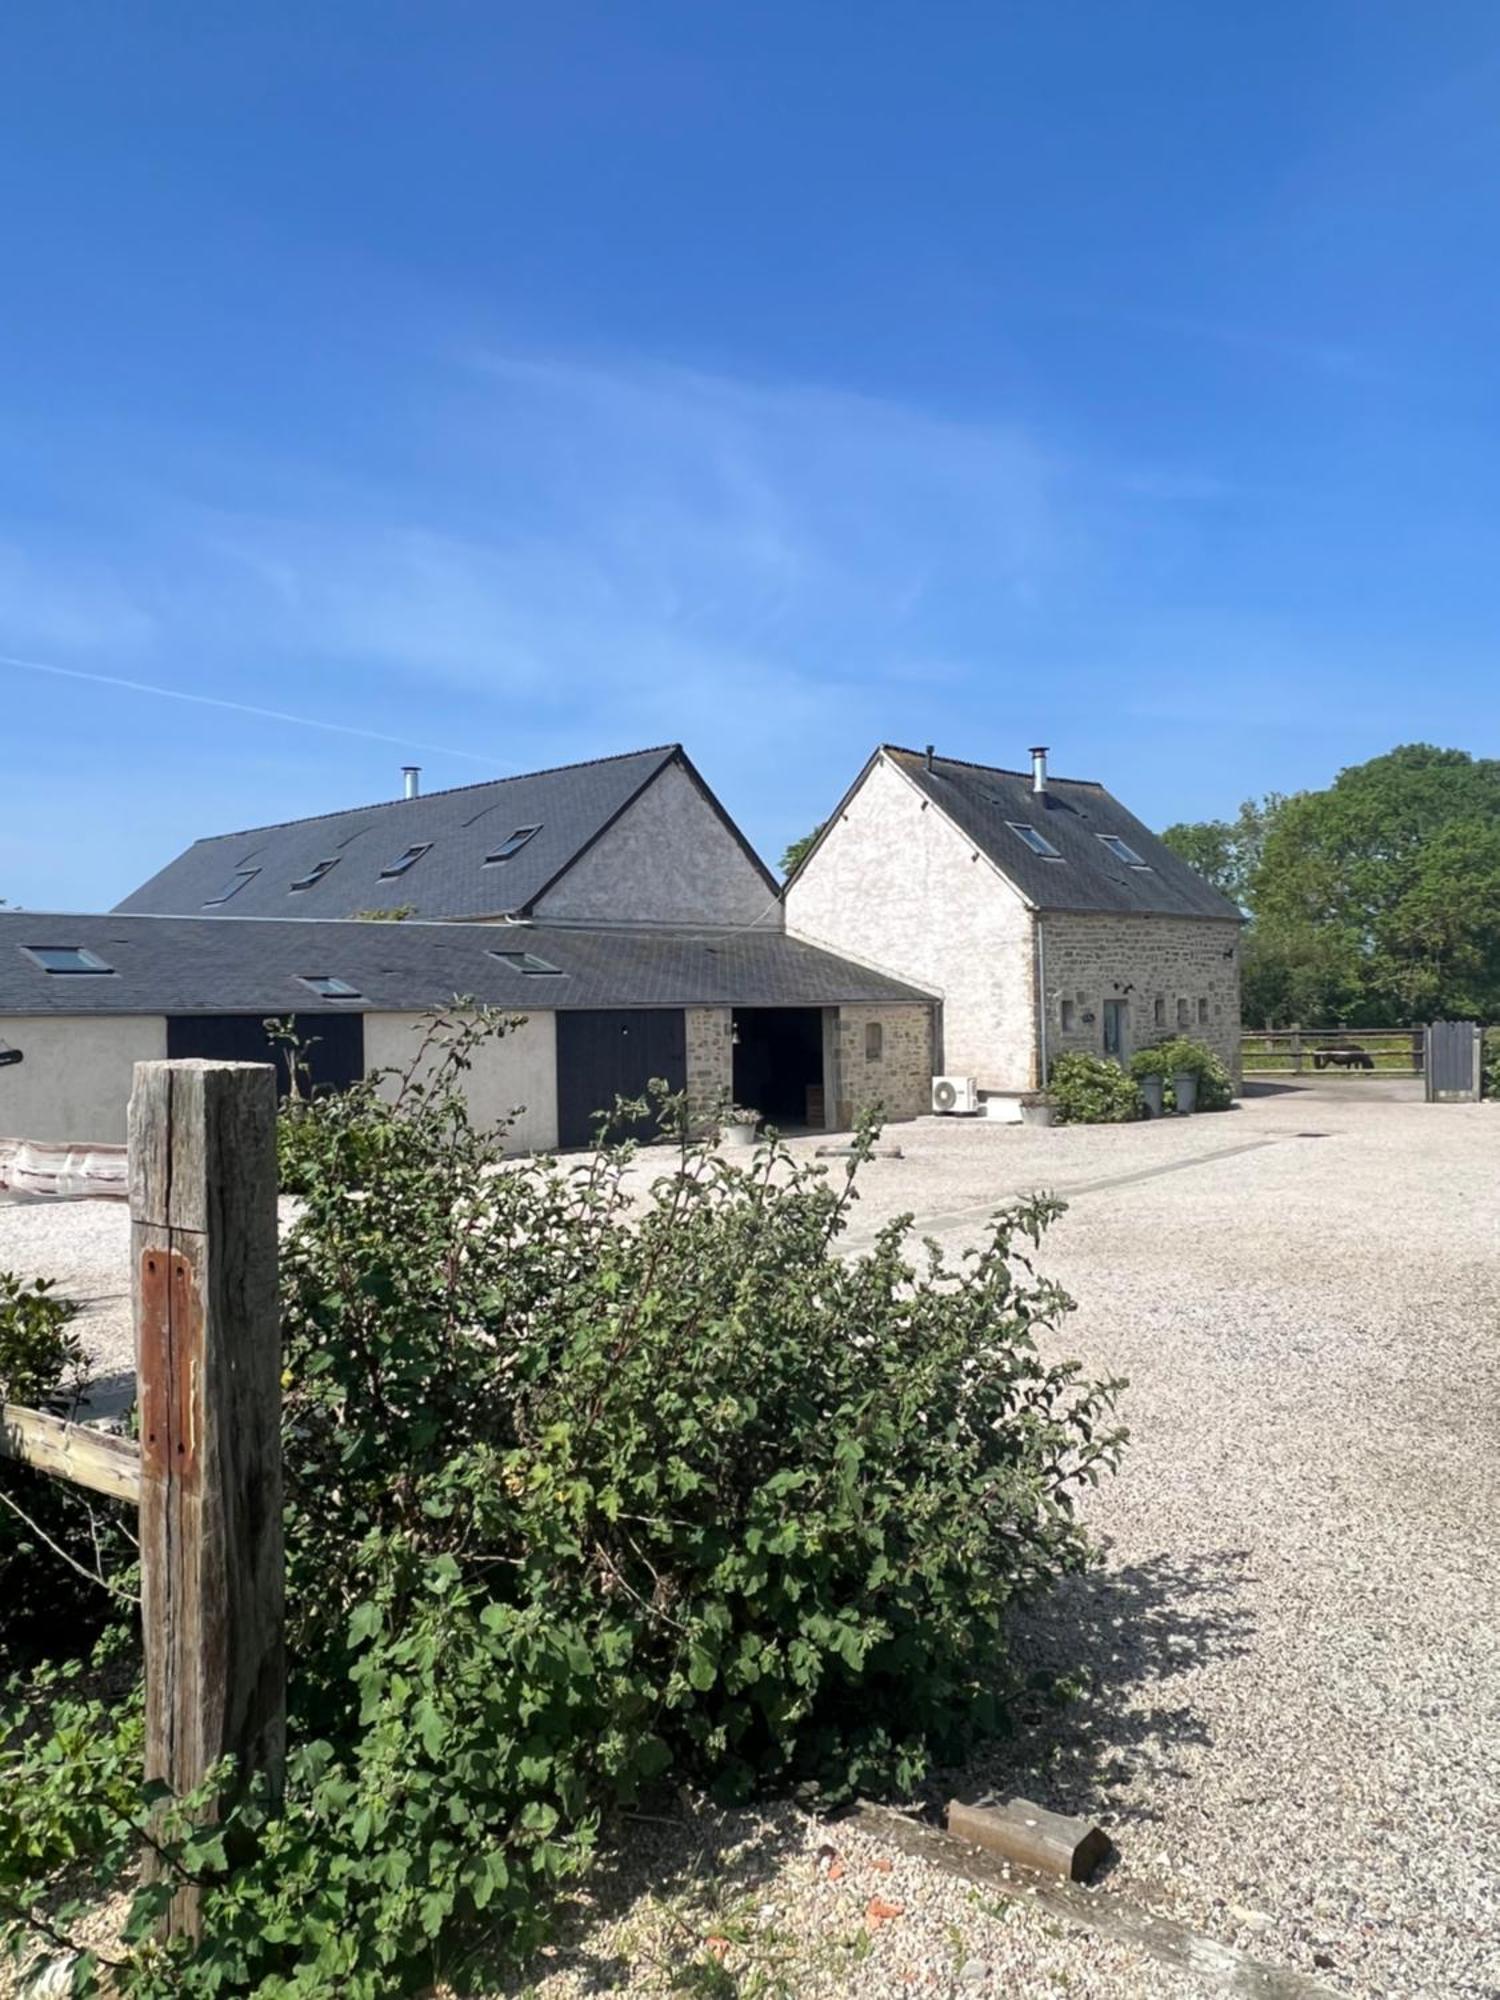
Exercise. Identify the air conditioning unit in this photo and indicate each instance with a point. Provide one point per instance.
(955, 1093)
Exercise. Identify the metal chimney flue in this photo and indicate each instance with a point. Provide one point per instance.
(930, 754)
(1038, 755)
(411, 780)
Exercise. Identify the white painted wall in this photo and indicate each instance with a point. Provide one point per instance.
(517, 1071)
(895, 886)
(74, 1082)
(668, 859)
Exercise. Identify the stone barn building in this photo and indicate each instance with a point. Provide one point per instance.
(1042, 914)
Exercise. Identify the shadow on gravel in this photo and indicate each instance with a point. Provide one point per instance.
(1127, 1639)
(704, 1873)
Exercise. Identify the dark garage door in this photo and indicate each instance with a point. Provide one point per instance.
(333, 1045)
(602, 1056)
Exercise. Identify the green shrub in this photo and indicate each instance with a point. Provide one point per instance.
(588, 1491)
(46, 1527)
(1491, 1059)
(1092, 1090)
(1165, 1059)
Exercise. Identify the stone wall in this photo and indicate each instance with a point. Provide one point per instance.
(896, 886)
(1176, 975)
(879, 1054)
(668, 859)
(710, 1057)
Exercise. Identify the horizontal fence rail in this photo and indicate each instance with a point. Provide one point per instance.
(1351, 1052)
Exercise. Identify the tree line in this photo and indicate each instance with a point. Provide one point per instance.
(1372, 903)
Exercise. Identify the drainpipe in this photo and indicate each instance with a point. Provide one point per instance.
(1041, 1003)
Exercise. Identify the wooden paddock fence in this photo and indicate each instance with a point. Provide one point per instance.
(1350, 1052)
(206, 1474)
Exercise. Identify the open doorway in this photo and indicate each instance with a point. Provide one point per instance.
(778, 1064)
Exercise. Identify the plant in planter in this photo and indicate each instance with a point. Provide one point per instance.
(738, 1126)
(1092, 1090)
(1038, 1107)
(1207, 1086)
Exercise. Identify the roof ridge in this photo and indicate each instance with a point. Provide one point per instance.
(997, 770)
(444, 792)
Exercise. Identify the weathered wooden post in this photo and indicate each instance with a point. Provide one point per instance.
(208, 1362)
(1296, 1049)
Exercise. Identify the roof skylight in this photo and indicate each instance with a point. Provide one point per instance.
(1121, 850)
(404, 861)
(528, 962)
(1037, 842)
(65, 958)
(512, 844)
(316, 873)
(232, 888)
(328, 988)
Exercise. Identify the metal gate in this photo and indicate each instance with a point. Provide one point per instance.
(1453, 1063)
(604, 1055)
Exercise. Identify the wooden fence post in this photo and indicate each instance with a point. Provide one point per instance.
(1296, 1048)
(208, 1361)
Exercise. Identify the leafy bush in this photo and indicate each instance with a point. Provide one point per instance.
(41, 1363)
(49, 1533)
(1165, 1059)
(1092, 1090)
(588, 1490)
(1491, 1059)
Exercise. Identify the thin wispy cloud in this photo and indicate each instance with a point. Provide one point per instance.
(279, 715)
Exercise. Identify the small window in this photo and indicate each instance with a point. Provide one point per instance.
(512, 845)
(1121, 850)
(328, 988)
(874, 1041)
(1037, 842)
(65, 958)
(1069, 1016)
(1202, 1013)
(404, 861)
(233, 887)
(1182, 1013)
(1160, 1011)
(527, 962)
(315, 873)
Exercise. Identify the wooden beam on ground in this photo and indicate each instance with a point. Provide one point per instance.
(84, 1457)
(1108, 1914)
(1050, 1842)
(208, 1363)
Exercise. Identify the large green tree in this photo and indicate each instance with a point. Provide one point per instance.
(1227, 852)
(1375, 901)
(1391, 877)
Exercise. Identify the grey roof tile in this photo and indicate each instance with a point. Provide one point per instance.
(984, 803)
(570, 807)
(223, 965)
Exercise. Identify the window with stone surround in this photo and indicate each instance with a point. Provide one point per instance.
(1182, 1014)
(1069, 1015)
(874, 1041)
(1161, 1010)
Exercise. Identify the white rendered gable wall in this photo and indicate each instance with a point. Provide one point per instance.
(897, 887)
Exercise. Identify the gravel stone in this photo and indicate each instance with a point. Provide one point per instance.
(1291, 1724)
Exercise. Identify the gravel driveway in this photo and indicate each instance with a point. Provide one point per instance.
(1293, 1729)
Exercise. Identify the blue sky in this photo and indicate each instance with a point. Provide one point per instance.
(520, 384)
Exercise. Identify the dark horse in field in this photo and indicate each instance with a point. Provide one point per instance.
(1345, 1055)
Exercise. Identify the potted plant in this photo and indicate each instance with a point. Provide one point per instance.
(1185, 1091)
(1151, 1088)
(1038, 1107)
(739, 1127)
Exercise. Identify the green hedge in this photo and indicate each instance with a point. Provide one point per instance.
(1093, 1090)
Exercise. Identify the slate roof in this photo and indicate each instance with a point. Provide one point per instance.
(1074, 812)
(571, 807)
(223, 965)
